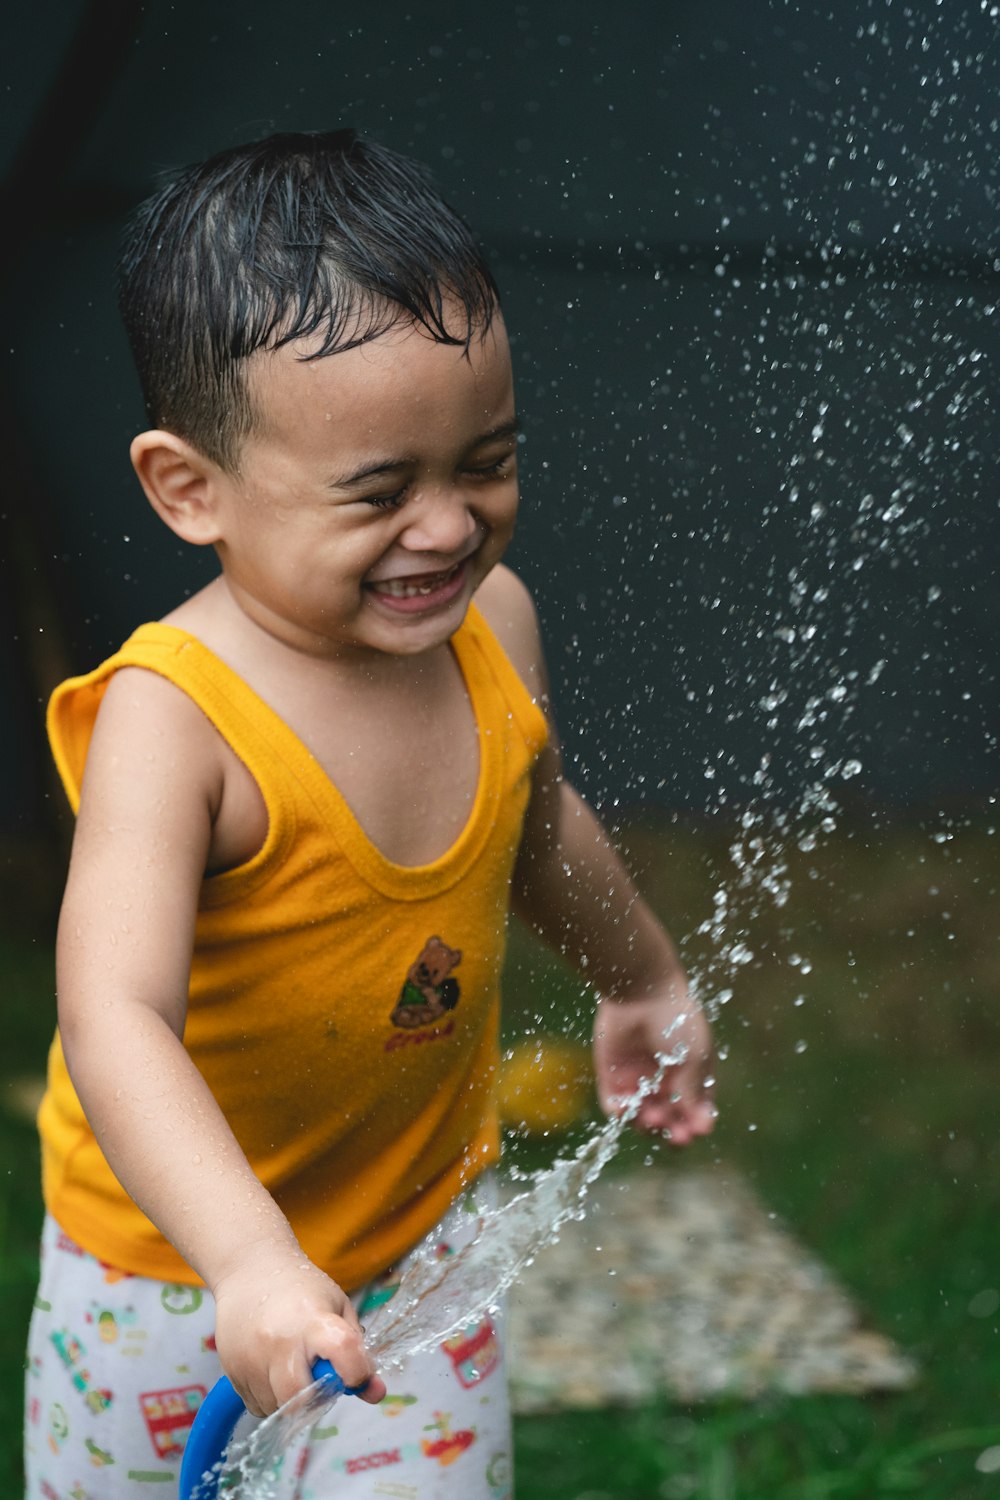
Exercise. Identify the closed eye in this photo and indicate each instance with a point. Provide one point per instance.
(494, 470)
(386, 502)
(498, 469)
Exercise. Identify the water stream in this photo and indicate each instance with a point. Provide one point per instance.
(438, 1296)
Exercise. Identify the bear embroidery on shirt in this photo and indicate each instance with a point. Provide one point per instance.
(428, 990)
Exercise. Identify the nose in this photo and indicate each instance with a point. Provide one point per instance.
(441, 520)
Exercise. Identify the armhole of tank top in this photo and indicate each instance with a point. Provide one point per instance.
(63, 736)
(261, 763)
(527, 713)
(255, 753)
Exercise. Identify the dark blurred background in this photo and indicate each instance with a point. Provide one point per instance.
(749, 261)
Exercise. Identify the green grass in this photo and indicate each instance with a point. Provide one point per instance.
(26, 982)
(878, 1145)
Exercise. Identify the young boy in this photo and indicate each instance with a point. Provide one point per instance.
(312, 794)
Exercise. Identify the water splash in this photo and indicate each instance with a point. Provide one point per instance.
(437, 1296)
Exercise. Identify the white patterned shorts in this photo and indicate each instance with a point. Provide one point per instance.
(119, 1364)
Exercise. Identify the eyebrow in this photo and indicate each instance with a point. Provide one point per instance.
(390, 465)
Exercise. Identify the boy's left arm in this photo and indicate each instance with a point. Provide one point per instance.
(573, 890)
(571, 887)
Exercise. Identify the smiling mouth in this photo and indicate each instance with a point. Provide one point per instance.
(420, 587)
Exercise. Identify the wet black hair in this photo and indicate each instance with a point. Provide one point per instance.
(325, 236)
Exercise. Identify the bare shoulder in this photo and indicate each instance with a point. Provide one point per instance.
(149, 734)
(141, 845)
(509, 611)
(149, 704)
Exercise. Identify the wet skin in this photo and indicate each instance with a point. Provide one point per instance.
(379, 491)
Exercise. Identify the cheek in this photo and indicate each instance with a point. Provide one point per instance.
(342, 561)
(502, 513)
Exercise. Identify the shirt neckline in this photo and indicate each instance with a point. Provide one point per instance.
(397, 880)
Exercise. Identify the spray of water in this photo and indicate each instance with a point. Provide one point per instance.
(437, 1296)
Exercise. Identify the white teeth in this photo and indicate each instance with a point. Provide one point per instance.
(400, 589)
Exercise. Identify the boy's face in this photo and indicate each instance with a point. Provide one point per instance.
(377, 492)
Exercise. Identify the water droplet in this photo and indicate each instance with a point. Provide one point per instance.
(985, 1303)
(988, 1461)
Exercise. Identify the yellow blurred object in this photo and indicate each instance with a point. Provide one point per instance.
(546, 1083)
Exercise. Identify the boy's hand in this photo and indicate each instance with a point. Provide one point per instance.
(631, 1038)
(276, 1314)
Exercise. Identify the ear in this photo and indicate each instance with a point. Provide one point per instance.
(181, 484)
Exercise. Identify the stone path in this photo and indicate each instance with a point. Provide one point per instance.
(680, 1282)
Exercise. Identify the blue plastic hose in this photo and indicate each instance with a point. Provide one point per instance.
(201, 1467)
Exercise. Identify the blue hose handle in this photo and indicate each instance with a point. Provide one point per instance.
(214, 1426)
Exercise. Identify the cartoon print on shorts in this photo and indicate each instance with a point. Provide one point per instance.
(71, 1352)
(448, 1445)
(176, 1298)
(58, 1426)
(394, 1406)
(498, 1476)
(428, 990)
(99, 1457)
(474, 1353)
(109, 1322)
(169, 1416)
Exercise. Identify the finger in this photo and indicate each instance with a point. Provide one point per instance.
(342, 1344)
(256, 1397)
(655, 1117)
(676, 1118)
(614, 1105)
(613, 1092)
(703, 1117)
(248, 1400)
(374, 1391)
(692, 1120)
(289, 1375)
(351, 1318)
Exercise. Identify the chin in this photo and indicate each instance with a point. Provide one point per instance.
(428, 634)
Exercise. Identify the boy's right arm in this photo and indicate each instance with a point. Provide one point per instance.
(153, 784)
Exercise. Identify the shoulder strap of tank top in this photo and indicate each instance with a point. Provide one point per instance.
(223, 697)
(528, 716)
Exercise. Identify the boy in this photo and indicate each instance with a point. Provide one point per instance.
(312, 793)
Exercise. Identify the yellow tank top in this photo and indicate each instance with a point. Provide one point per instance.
(343, 1009)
